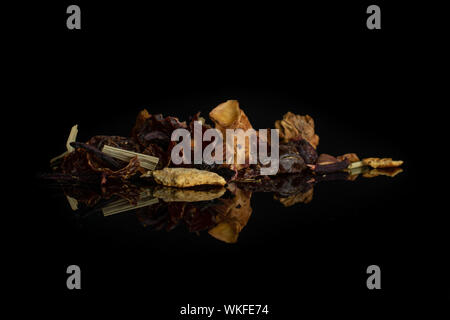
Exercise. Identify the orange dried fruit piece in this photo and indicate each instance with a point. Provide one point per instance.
(228, 115)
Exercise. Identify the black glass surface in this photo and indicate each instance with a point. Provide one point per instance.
(322, 61)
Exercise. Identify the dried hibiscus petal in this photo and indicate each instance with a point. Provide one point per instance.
(155, 129)
(100, 156)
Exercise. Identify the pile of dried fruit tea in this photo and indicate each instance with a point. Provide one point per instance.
(149, 147)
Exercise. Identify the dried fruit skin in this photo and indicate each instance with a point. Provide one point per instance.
(306, 150)
(330, 167)
(352, 157)
(291, 163)
(154, 129)
(228, 115)
(88, 160)
(125, 173)
(294, 126)
(326, 159)
(295, 155)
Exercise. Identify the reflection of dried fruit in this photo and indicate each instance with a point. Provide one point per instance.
(187, 177)
(356, 164)
(390, 172)
(382, 162)
(282, 185)
(352, 157)
(232, 216)
(124, 173)
(170, 194)
(294, 126)
(305, 197)
(89, 197)
(354, 172)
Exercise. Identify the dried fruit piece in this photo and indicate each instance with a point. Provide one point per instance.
(141, 118)
(187, 177)
(352, 157)
(154, 129)
(295, 155)
(293, 126)
(306, 150)
(291, 163)
(326, 159)
(382, 162)
(331, 167)
(100, 156)
(228, 115)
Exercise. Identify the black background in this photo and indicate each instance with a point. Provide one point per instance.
(360, 87)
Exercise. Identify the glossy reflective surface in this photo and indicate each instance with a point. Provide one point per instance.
(221, 212)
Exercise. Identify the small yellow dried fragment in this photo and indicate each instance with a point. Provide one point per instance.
(382, 162)
(187, 177)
